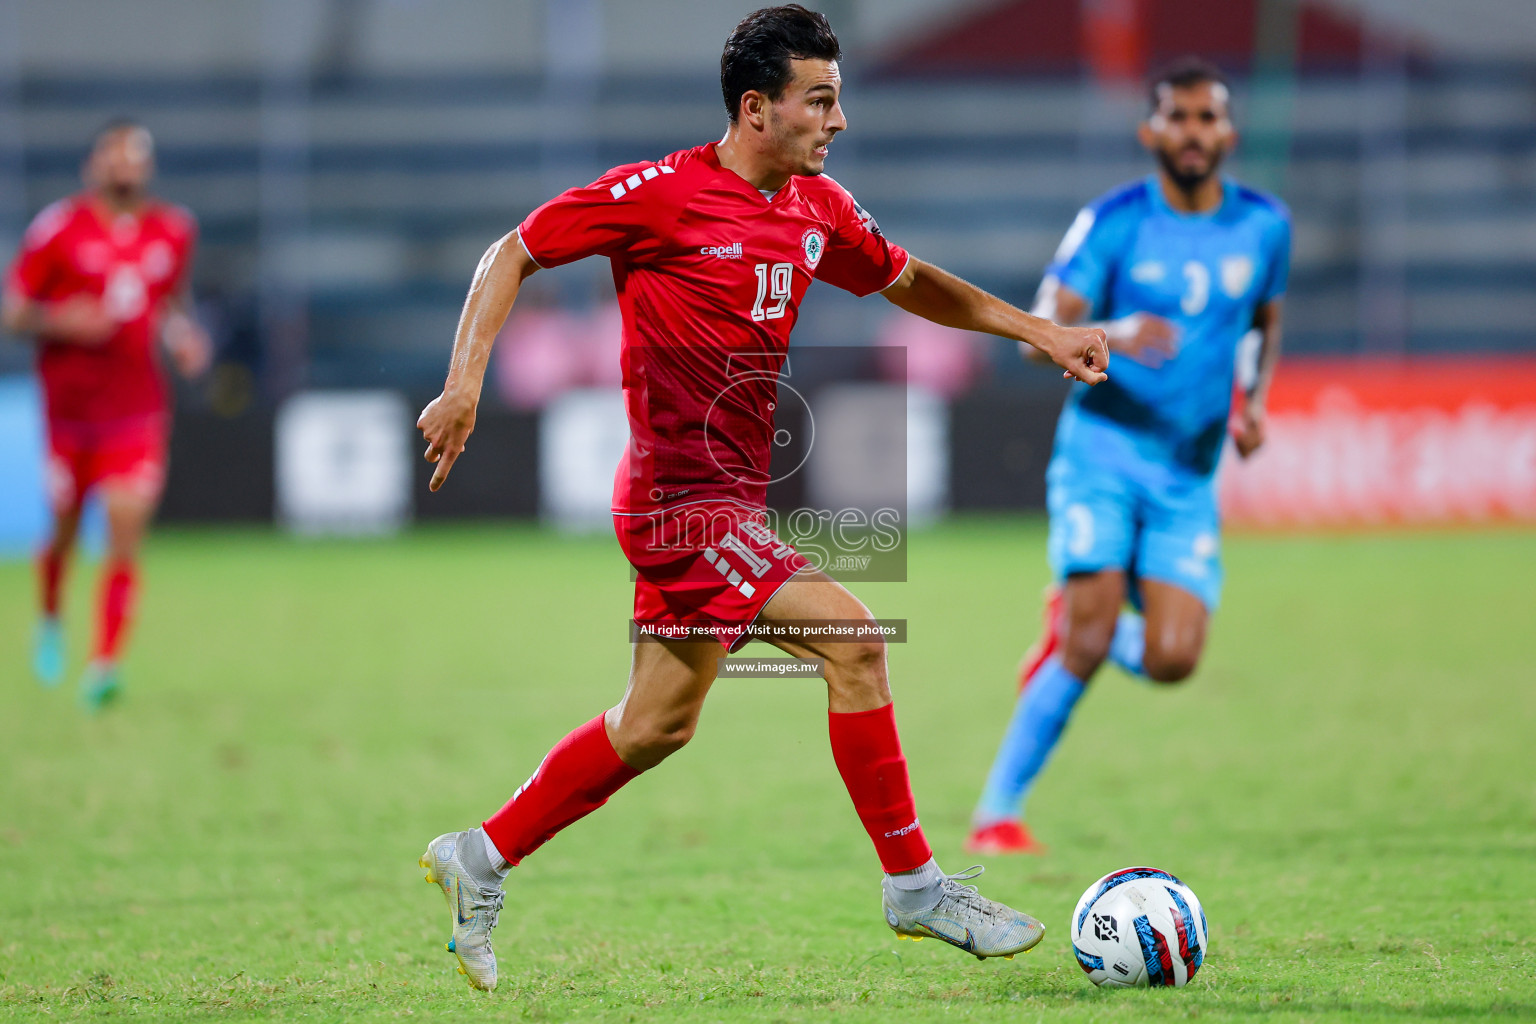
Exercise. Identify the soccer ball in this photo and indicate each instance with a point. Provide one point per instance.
(1138, 927)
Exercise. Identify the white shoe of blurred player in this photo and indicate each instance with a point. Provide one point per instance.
(962, 917)
(473, 904)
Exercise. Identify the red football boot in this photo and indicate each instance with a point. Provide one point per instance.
(1003, 837)
(1050, 636)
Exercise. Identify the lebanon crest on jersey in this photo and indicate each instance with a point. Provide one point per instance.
(814, 244)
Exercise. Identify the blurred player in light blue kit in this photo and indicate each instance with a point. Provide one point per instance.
(1178, 267)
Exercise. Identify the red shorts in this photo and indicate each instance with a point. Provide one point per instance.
(82, 455)
(710, 566)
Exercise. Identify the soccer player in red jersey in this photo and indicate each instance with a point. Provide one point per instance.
(100, 283)
(712, 250)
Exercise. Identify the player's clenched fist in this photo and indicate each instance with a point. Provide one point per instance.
(188, 344)
(446, 423)
(1145, 337)
(1249, 428)
(1081, 352)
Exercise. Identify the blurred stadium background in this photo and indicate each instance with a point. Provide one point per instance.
(1347, 782)
(349, 160)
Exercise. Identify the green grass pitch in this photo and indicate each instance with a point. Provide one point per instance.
(1347, 782)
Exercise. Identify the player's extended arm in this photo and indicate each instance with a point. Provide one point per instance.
(1249, 427)
(79, 320)
(449, 419)
(1145, 337)
(183, 337)
(940, 296)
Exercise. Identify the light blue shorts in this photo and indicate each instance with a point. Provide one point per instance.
(1153, 523)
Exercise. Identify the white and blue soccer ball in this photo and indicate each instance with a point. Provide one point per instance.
(1139, 927)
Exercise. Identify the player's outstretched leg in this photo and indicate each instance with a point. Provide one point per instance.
(667, 686)
(918, 899)
(1001, 830)
(48, 651)
(576, 777)
(1039, 718)
(130, 506)
(1079, 622)
(1174, 630)
(101, 685)
(48, 637)
(1049, 640)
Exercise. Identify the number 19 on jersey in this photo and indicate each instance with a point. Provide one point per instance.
(773, 284)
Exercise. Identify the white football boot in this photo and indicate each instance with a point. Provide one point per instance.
(961, 917)
(474, 905)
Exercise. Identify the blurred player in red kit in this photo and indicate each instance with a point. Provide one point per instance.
(101, 282)
(713, 249)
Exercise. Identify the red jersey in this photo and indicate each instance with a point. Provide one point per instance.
(131, 263)
(710, 274)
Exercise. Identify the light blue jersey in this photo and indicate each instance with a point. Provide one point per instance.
(1131, 478)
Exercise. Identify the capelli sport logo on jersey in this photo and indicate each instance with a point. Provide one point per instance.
(722, 252)
(815, 244)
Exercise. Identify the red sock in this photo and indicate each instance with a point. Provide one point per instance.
(575, 779)
(868, 755)
(50, 576)
(119, 581)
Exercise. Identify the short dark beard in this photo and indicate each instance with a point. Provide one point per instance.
(1186, 182)
(778, 139)
(124, 196)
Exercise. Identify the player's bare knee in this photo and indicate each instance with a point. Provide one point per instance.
(856, 674)
(1164, 666)
(1172, 650)
(1085, 646)
(857, 694)
(862, 657)
(645, 744)
(665, 740)
(860, 663)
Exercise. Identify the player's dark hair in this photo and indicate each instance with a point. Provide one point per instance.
(117, 124)
(759, 50)
(120, 123)
(1181, 74)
